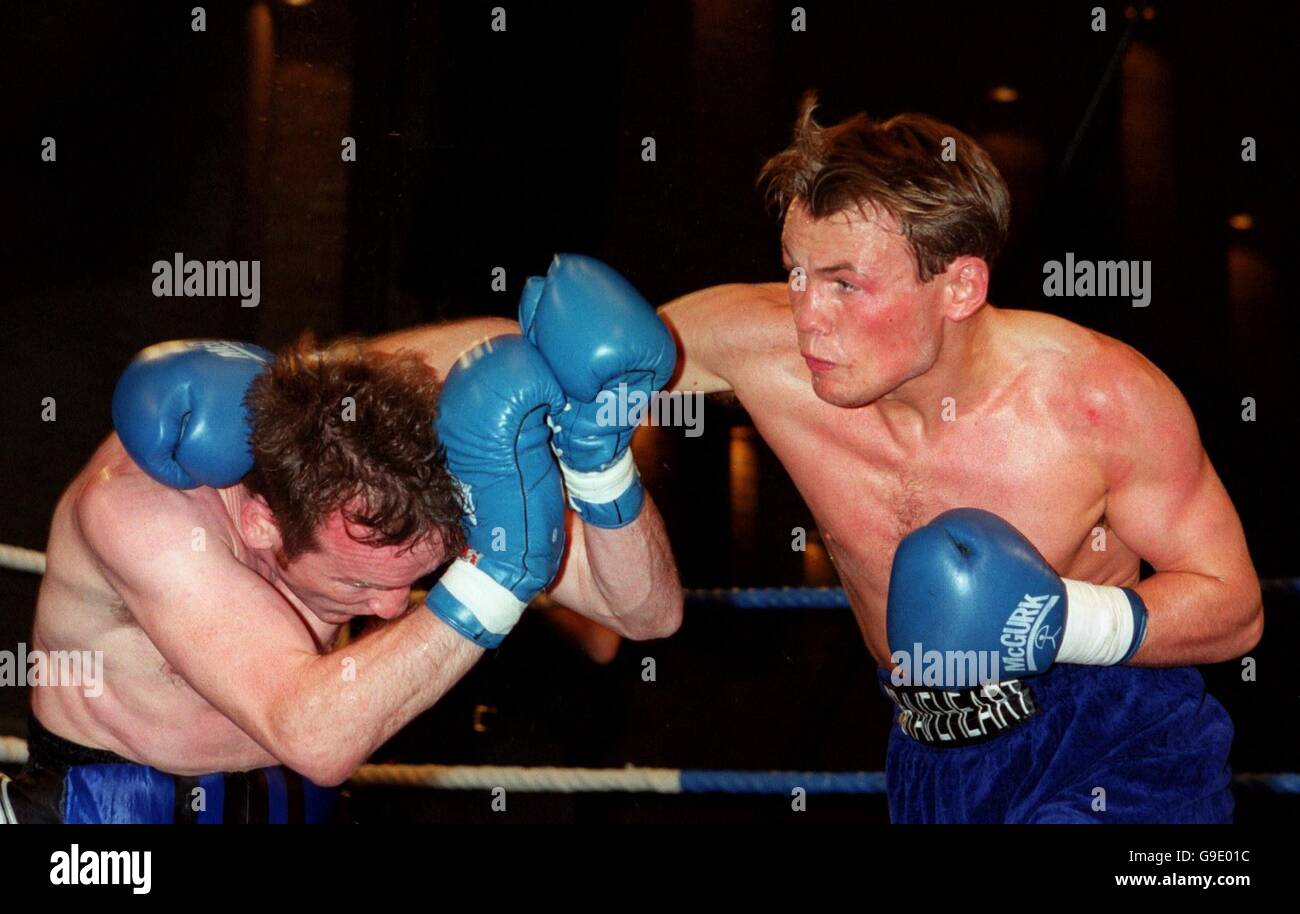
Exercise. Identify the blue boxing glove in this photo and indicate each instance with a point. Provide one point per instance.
(179, 411)
(969, 581)
(492, 416)
(611, 353)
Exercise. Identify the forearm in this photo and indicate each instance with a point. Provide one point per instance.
(1199, 618)
(350, 701)
(629, 581)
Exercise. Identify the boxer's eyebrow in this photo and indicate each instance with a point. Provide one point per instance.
(837, 267)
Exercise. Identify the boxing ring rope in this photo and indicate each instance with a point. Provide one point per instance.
(619, 780)
(20, 559)
(836, 598)
(524, 779)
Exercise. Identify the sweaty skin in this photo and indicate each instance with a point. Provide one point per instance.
(218, 658)
(889, 401)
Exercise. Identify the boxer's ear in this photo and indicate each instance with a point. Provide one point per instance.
(257, 525)
(966, 286)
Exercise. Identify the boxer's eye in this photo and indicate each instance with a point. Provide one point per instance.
(847, 286)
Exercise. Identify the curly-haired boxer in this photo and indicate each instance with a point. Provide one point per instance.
(248, 508)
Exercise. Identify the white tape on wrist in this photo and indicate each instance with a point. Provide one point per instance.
(603, 485)
(496, 608)
(1098, 624)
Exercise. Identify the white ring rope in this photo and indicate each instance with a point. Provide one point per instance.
(20, 559)
(13, 751)
(537, 780)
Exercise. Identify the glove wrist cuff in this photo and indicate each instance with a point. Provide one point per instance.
(609, 498)
(1104, 626)
(475, 605)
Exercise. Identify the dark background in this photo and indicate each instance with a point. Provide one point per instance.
(480, 150)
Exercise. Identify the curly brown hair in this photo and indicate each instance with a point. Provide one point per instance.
(344, 428)
(946, 205)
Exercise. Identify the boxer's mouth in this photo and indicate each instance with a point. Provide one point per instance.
(816, 365)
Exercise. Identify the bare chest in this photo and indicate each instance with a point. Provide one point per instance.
(137, 690)
(867, 492)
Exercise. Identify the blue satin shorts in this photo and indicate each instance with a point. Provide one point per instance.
(1084, 744)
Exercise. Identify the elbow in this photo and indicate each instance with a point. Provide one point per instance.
(299, 743)
(663, 622)
(674, 615)
(1249, 631)
(329, 775)
(1243, 632)
(323, 766)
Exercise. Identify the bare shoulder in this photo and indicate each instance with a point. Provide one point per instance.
(128, 520)
(1097, 383)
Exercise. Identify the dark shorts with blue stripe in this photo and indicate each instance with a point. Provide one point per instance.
(67, 782)
(1076, 744)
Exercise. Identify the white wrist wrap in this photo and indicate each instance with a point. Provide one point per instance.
(1098, 624)
(496, 608)
(603, 485)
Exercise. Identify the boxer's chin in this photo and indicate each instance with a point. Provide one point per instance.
(838, 393)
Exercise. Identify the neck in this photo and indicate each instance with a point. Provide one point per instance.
(963, 371)
(234, 499)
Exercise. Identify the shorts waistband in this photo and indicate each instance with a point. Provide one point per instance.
(959, 717)
(64, 781)
(46, 749)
